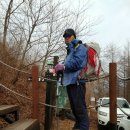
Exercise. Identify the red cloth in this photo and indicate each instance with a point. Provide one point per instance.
(91, 57)
(92, 67)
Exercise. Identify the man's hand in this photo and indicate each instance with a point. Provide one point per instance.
(59, 67)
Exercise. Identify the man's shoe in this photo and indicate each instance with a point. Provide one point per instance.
(70, 115)
(75, 128)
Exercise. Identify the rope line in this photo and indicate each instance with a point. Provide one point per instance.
(91, 79)
(47, 79)
(30, 99)
(42, 78)
(14, 68)
(122, 78)
(97, 78)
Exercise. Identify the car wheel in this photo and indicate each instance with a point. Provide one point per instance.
(121, 128)
(101, 127)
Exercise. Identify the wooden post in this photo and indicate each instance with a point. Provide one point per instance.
(113, 95)
(35, 92)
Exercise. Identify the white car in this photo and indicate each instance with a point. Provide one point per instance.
(103, 110)
(124, 123)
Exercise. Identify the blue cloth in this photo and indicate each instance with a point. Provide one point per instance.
(75, 61)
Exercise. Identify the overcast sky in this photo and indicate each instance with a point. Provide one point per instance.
(115, 21)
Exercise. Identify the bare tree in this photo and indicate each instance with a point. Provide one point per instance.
(9, 12)
(127, 72)
(36, 29)
(41, 31)
(33, 18)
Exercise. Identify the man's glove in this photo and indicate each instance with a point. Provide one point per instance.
(59, 67)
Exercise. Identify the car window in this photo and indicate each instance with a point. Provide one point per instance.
(120, 102)
(105, 102)
(123, 104)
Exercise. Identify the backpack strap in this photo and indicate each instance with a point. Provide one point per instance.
(77, 45)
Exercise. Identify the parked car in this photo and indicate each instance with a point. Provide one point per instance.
(124, 123)
(98, 103)
(103, 110)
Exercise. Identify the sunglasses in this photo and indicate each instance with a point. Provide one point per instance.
(67, 36)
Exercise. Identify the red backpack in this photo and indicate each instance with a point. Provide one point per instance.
(93, 65)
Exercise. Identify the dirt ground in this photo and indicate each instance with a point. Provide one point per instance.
(67, 124)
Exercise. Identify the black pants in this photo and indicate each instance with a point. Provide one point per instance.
(76, 94)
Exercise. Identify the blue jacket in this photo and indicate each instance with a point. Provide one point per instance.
(74, 62)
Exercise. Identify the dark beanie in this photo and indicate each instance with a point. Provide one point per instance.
(69, 32)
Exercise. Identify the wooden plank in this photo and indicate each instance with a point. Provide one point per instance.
(27, 124)
(5, 109)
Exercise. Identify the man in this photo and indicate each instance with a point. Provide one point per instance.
(74, 62)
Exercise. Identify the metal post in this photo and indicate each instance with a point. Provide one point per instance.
(50, 97)
(35, 91)
(48, 109)
(113, 95)
(56, 58)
